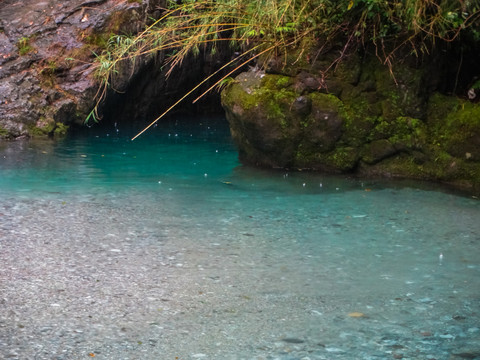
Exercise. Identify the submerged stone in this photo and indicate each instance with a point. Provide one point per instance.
(467, 354)
(293, 340)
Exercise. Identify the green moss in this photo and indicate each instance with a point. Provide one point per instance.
(24, 45)
(398, 92)
(400, 166)
(444, 168)
(377, 151)
(376, 134)
(37, 132)
(234, 97)
(358, 124)
(340, 160)
(4, 132)
(47, 127)
(304, 158)
(439, 106)
(345, 158)
(455, 125)
(261, 121)
(273, 102)
(60, 130)
(403, 131)
(280, 102)
(363, 111)
(321, 105)
(467, 114)
(450, 169)
(328, 102)
(283, 81)
(42, 128)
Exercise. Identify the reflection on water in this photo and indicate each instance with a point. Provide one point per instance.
(167, 248)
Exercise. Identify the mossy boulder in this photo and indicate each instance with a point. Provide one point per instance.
(272, 123)
(372, 123)
(262, 124)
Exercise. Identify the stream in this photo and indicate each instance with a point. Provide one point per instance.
(168, 248)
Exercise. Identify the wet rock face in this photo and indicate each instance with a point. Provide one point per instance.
(367, 123)
(41, 89)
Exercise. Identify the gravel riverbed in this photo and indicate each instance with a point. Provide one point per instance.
(136, 276)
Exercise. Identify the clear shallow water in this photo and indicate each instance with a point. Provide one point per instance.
(167, 248)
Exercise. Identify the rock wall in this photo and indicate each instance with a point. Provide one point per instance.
(360, 120)
(46, 50)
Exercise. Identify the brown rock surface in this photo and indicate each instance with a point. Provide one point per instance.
(40, 88)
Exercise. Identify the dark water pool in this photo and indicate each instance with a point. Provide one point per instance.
(168, 248)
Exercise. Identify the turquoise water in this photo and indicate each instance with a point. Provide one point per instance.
(166, 248)
(97, 159)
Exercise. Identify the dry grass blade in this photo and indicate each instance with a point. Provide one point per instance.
(198, 85)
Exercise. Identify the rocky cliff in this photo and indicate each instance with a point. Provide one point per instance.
(46, 51)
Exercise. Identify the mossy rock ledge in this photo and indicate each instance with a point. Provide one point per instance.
(367, 124)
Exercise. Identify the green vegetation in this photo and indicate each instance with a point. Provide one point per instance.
(476, 85)
(3, 132)
(43, 127)
(60, 130)
(47, 127)
(91, 118)
(24, 46)
(265, 29)
(48, 72)
(454, 124)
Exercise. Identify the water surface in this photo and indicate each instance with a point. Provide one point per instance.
(168, 248)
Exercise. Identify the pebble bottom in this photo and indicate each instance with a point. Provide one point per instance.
(228, 275)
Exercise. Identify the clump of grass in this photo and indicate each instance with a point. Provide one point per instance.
(24, 46)
(272, 28)
(257, 29)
